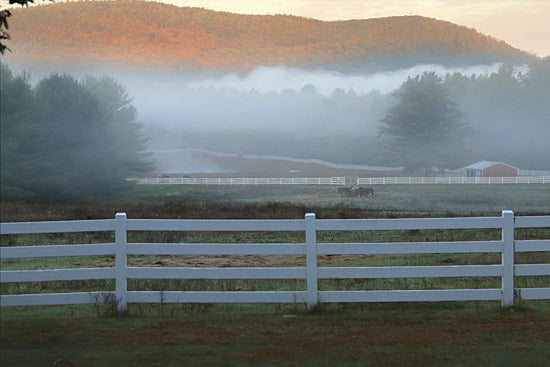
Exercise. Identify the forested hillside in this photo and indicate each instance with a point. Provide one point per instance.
(146, 34)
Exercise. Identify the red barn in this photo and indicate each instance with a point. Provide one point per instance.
(491, 169)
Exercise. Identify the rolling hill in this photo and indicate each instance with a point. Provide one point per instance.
(153, 35)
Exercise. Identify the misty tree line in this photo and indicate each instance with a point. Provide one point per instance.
(67, 139)
(509, 113)
(340, 128)
(506, 116)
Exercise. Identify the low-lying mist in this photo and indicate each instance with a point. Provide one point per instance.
(278, 79)
(325, 114)
(266, 97)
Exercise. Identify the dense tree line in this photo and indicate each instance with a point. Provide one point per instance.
(66, 139)
(510, 113)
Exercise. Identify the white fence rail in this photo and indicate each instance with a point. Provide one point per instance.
(452, 180)
(507, 270)
(239, 181)
(524, 172)
(338, 180)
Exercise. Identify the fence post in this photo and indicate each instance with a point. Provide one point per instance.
(507, 258)
(120, 261)
(312, 297)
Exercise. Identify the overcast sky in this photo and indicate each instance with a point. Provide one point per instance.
(521, 23)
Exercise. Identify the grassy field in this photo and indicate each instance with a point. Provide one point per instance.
(293, 201)
(423, 198)
(431, 334)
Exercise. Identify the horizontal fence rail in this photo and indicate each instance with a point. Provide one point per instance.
(451, 180)
(239, 181)
(311, 273)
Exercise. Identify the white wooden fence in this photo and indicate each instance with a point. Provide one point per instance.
(453, 180)
(240, 180)
(338, 180)
(507, 270)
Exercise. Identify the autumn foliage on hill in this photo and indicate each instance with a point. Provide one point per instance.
(146, 33)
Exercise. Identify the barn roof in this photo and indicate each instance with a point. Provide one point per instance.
(486, 164)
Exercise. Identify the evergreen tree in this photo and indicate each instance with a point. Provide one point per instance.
(22, 139)
(68, 140)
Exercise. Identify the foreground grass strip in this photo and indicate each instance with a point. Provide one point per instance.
(340, 335)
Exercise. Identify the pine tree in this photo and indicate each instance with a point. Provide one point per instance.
(68, 139)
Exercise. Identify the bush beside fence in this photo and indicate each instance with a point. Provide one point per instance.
(506, 270)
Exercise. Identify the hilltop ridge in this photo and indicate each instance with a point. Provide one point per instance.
(148, 34)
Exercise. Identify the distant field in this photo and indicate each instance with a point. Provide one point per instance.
(425, 198)
(293, 201)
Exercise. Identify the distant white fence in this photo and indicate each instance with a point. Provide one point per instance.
(239, 181)
(524, 172)
(452, 180)
(339, 180)
(507, 246)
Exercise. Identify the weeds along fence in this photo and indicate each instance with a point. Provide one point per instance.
(505, 270)
(339, 180)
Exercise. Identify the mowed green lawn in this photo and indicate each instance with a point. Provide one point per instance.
(427, 334)
(477, 334)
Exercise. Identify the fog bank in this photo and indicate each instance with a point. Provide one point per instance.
(277, 79)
